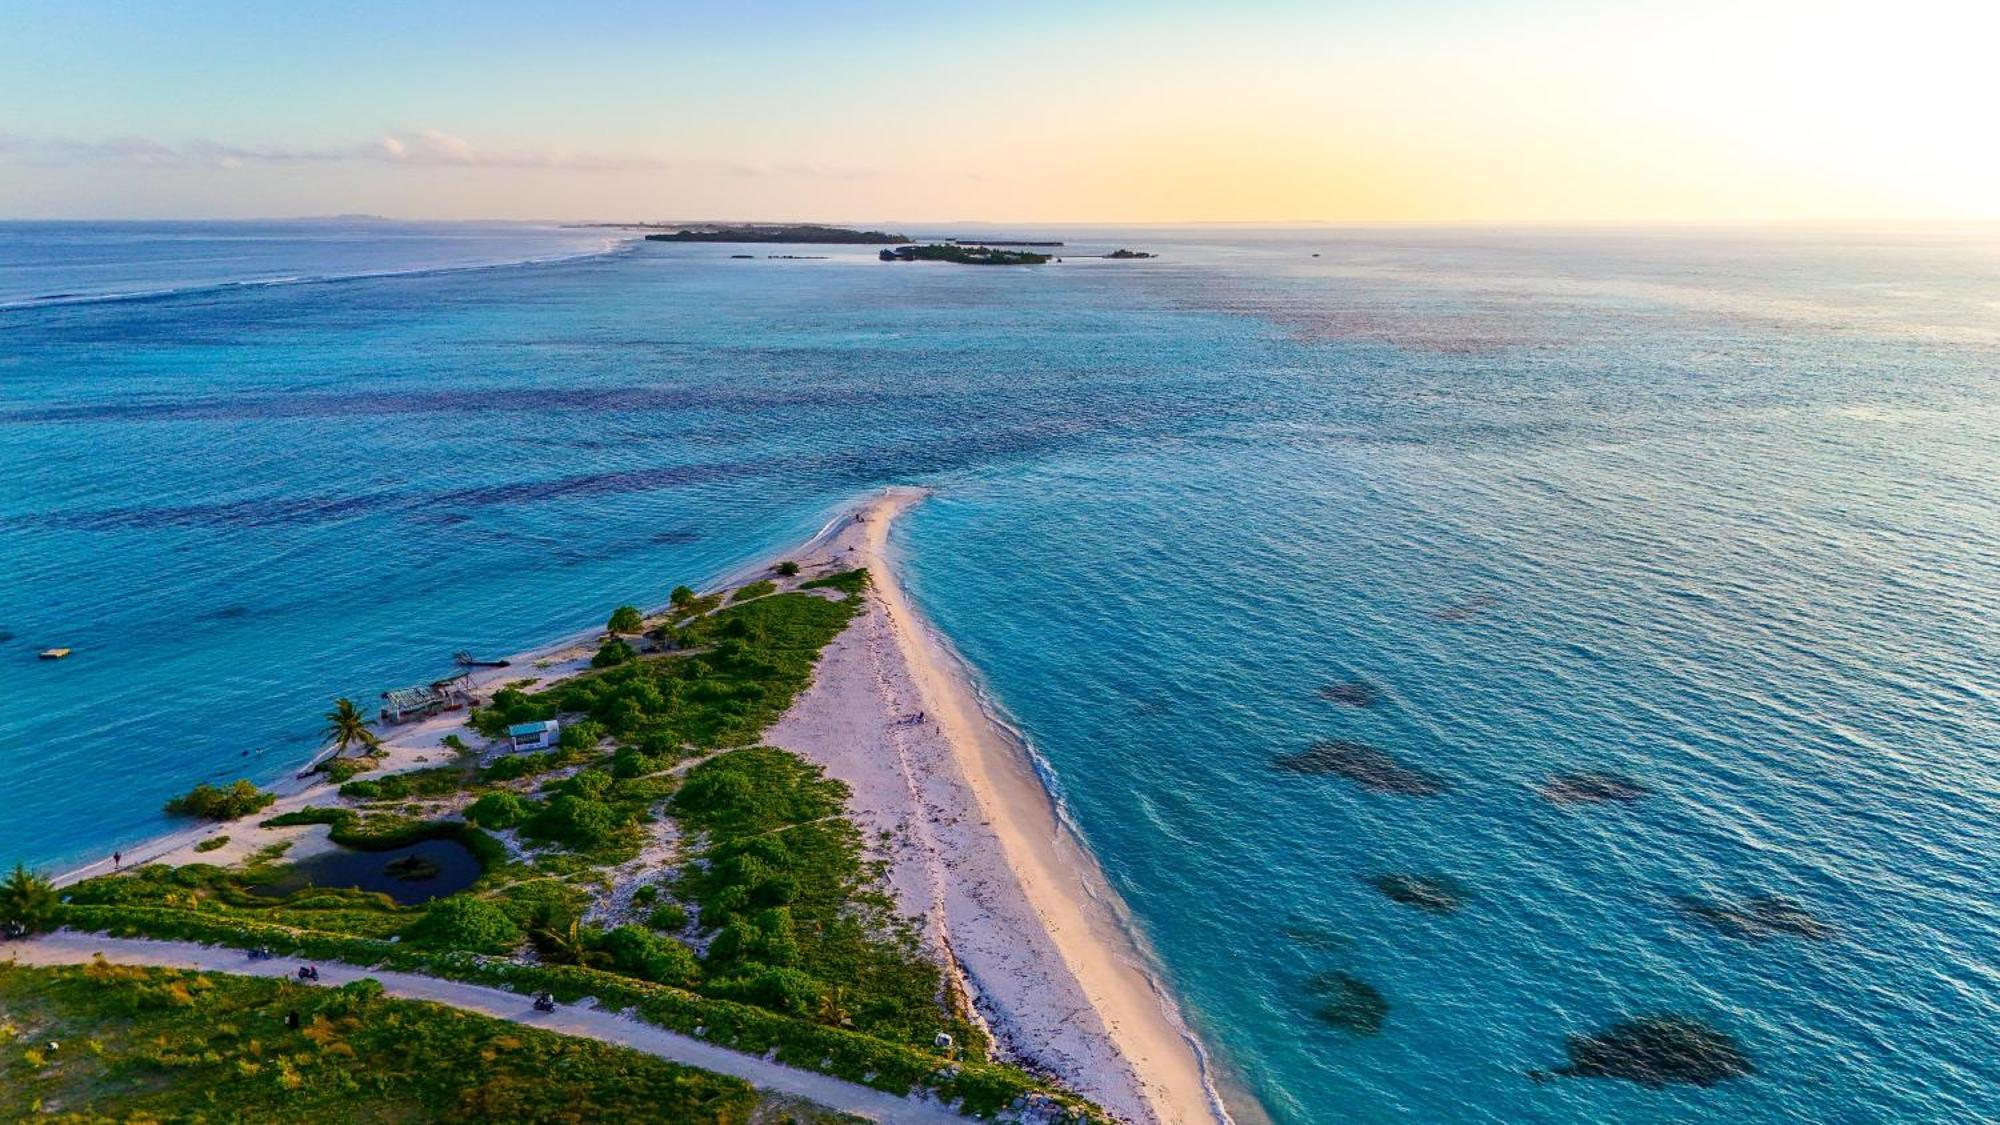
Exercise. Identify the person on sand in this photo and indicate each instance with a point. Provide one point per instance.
(117, 860)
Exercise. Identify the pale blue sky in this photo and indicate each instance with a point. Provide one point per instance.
(1272, 111)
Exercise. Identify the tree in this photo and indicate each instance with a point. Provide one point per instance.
(463, 922)
(210, 803)
(612, 653)
(682, 597)
(788, 568)
(626, 619)
(346, 727)
(27, 900)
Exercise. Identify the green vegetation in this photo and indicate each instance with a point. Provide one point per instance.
(626, 619)
(213, 843)
(209, 803)
(964, 255)
(788, 569)
(757, 589)
(801, 950)
(143, 1044)
(499, 810)
(443, 781)
(796, 922)
(849, 582)
(759, 654)
(463, 922)
(612, 652)
(27, 900)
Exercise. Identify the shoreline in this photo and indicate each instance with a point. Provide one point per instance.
(1014, 906)
(980, 849)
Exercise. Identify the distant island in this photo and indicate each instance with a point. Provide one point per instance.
(1123, 254)
(963, 255)
(991, 241)
(775, 232)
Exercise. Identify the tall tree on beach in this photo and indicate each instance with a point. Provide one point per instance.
(346, 727)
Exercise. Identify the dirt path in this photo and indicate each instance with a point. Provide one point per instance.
(570, 1019)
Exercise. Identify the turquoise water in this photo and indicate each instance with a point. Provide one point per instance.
(1711, 511)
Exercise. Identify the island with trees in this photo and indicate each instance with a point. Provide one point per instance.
(964, 255)
(771, 232)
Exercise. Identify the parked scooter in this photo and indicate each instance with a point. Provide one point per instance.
(545, 1002)
(309, 972)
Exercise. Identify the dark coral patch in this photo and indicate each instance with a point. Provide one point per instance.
(1365, 766)
(1590, 787)
(1352, 693)
(1759, 918)
(1655, 1051)
(1438, 894)
(1348, 1003)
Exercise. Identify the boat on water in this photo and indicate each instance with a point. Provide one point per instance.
(53, 653)
(467, 660)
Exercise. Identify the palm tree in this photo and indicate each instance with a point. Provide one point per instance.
(346, 726)
(27, 900)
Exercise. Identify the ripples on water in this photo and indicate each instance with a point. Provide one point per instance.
(1708, 516)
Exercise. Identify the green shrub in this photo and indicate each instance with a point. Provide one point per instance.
(644, 954)
(575, 822)
(209, 803)
(591, 783)
(441, 781)
(682, 597)
(671, 917)
(578, 737)
(497, 810)
(756, 589)
(646, 894)
(612, 653)
(464, 922)
(629, 763)
(625, 619)
(788, 568)
(212, 843)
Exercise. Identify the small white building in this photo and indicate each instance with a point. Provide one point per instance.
(534, 736)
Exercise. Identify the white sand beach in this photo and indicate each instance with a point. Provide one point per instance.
(977, 850)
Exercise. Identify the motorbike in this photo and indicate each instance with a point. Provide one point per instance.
(545, 1003)
(308, 972)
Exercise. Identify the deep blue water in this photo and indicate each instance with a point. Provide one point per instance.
(1713, 511)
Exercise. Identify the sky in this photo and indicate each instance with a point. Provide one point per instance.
(1335, 111)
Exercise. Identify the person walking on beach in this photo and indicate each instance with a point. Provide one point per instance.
(117, 860)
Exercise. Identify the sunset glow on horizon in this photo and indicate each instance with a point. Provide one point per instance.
(1430, 111)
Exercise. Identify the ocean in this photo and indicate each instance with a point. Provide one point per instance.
(1438, 516)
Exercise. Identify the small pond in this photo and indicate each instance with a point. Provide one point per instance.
(412, 875)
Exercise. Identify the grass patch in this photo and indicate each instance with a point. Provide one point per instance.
(165, 1044)
(849, 582)
(763, 587)
(212, 843)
